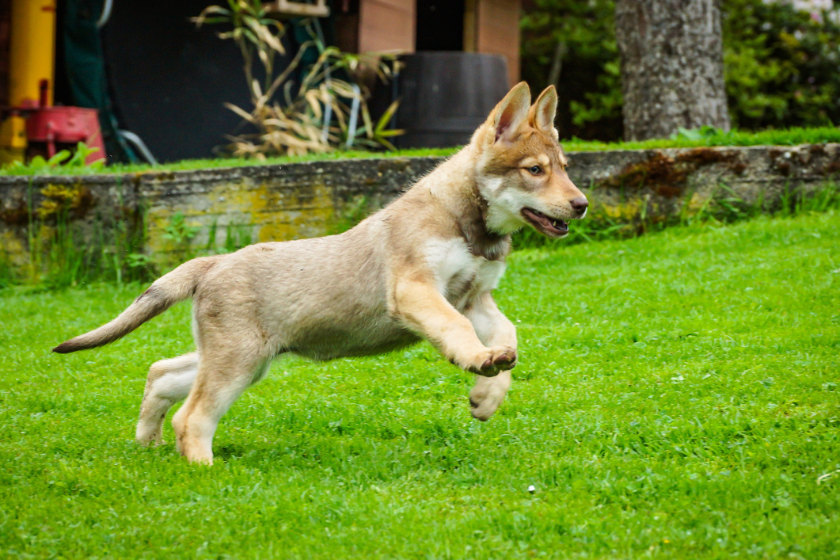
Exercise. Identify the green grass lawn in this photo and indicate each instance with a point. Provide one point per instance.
(787, 137)
(677, 396)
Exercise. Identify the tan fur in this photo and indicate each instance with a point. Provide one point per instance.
(423, 267)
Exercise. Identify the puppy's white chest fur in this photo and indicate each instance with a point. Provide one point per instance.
(458, 273)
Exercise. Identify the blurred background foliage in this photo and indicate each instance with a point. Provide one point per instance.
(589, 84)
(781, 64)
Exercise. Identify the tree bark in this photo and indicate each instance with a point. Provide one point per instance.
(671, 66)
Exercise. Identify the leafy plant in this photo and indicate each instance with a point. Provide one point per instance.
(180, 235)
(320, 113)
(781, 65)
(178, 231)
(139, 261)
(575, 41)
(75, 159)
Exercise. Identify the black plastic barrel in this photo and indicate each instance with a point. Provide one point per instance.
(446, 95)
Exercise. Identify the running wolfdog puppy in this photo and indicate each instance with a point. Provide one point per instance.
(424, 267)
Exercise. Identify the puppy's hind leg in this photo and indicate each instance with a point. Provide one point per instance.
(488, 394)
(222, 377)
(169, 381)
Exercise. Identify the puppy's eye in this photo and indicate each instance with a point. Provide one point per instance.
(535, 170)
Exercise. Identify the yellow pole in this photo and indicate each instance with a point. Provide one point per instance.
(31, 51)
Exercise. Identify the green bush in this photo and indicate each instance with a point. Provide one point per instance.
(780, 64)
(589, 87)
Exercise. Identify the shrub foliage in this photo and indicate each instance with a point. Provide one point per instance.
(780, 63)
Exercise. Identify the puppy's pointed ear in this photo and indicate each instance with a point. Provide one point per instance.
(511, 112)
(544, 109)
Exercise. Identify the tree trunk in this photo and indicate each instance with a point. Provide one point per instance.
(671, 66)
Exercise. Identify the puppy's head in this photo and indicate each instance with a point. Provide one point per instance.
(521, 168)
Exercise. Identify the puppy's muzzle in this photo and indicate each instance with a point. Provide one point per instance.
(579, 206)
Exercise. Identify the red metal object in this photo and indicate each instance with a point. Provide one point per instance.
(66, 125)
(63, 125)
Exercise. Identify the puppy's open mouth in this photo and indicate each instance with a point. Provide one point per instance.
(552, 227)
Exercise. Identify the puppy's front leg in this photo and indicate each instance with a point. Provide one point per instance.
(423, 309)
(492, 328)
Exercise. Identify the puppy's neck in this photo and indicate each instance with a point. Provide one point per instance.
(454, 185)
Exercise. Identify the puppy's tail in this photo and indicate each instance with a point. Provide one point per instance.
(167, 290)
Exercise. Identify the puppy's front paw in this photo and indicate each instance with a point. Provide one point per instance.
(494, 360)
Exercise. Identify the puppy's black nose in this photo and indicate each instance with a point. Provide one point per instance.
(579, 204)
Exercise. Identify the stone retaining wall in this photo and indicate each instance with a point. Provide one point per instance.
(280, 202)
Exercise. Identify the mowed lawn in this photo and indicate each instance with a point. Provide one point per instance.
(678, 395)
